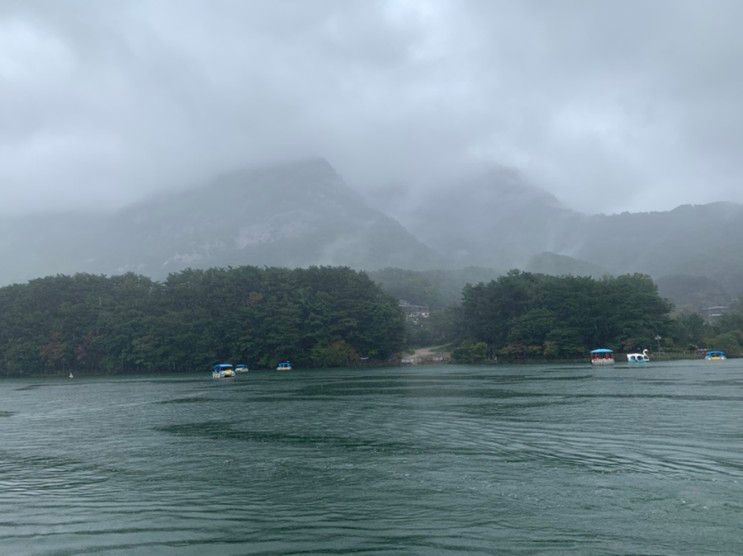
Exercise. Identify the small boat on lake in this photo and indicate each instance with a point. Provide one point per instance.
(638, 358)
(284, 366)
(715, 356)
(602, 356)
(241, 368)
(223, 370)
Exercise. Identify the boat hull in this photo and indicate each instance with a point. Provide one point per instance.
(602, 362)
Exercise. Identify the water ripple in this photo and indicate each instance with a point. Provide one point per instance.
(551, 459)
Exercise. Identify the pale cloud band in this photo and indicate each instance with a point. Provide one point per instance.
(610, 106)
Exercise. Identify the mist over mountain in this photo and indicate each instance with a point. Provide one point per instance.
(695, 293)
(500, 220)
(496, 219)
(303, 213)
(477, 134)
(698, 240)
(293, 214)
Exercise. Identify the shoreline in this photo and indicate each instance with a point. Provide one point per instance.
(387, 365)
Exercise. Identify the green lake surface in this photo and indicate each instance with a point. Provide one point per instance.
(418, 460)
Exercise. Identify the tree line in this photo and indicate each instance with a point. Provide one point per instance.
(326, 317)
(523, 315)
(535, 315)
(320, 316)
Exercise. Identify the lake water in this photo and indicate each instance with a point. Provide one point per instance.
(514, 459)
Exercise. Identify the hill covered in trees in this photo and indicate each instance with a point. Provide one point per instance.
(316, 317)
(524, 315)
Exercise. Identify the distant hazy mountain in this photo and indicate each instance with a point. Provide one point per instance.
(294, 214)
(694, 293)
(302, 213)
(44, 244)
(495, 220)
(701, 240)
(502, 221)
(499, 220)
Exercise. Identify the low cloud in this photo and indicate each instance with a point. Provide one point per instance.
(610, 106)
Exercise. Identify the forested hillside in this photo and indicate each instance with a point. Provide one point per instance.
(523, 314)
(319, 316)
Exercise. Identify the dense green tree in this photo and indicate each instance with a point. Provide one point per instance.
(318, 316)
(689, 330)
(526, 315)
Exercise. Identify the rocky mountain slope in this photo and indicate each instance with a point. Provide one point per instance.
(295, 214)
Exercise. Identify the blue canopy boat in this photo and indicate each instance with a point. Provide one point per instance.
(715, 356)
(602, 356)
(223, 370)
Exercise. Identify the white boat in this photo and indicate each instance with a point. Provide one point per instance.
(638, 357)
(241, 368)
(284, 366)
(223, 370)
(602, 356)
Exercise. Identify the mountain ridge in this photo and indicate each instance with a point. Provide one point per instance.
(303, 213)
(296, 214)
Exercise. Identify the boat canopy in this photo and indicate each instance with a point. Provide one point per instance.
(601, 350)
(222, 366)
(715, 354)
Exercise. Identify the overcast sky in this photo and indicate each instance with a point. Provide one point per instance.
(609, 105)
